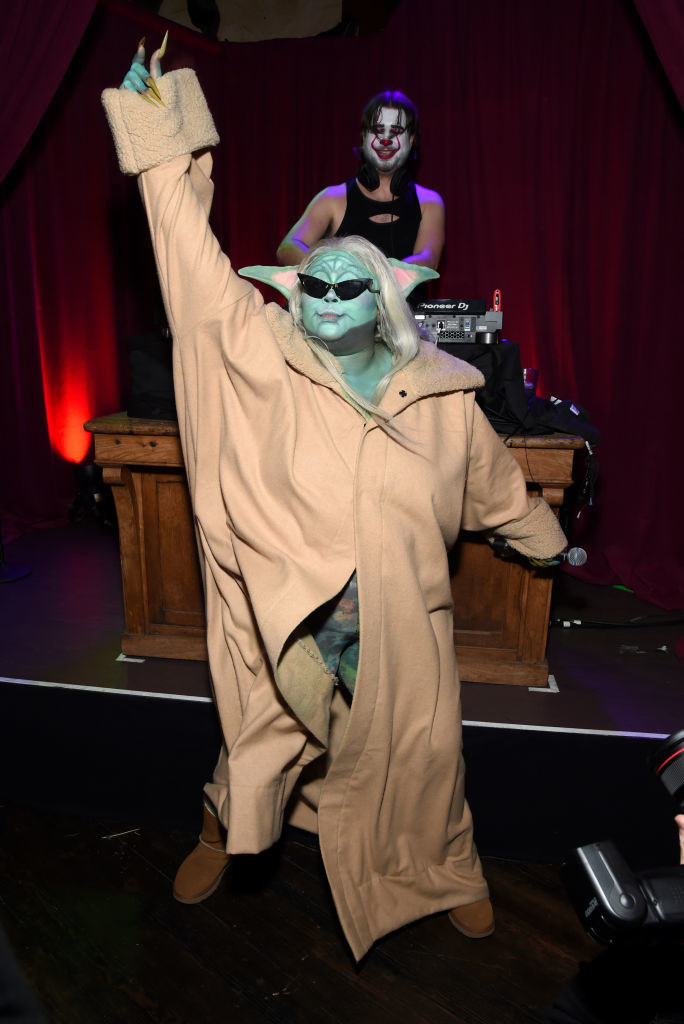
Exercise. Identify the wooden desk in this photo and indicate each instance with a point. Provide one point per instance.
(501, 609)
(162, 585)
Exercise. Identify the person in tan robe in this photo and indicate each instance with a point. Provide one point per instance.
(300, 484)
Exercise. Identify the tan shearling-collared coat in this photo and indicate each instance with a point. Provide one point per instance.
(293, 489)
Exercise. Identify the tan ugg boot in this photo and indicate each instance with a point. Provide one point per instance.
(202, 870)
(475, 920)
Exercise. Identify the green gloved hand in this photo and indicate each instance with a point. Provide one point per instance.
(139, 79)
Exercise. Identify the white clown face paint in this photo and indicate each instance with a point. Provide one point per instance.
(388, 144)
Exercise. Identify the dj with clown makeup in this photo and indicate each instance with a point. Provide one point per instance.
(383, 203)
(332, 457)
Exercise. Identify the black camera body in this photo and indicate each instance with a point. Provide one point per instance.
(613, 902)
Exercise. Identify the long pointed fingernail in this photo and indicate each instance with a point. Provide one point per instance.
(150, 82)
(141, 44)
(148, 98)
(162, 48)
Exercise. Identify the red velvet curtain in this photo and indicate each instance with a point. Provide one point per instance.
(555, 138)
(38, 40)
(664, 21)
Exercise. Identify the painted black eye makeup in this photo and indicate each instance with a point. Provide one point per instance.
(317, 288)
(382, 130)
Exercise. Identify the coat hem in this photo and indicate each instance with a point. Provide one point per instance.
(449, 893)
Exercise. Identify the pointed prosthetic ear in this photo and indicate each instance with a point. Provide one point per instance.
(409, 275)
(282, 278)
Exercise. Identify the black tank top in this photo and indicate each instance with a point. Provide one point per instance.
(395, 238)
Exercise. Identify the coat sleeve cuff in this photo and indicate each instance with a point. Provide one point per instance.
(146, 135)
(538, 535)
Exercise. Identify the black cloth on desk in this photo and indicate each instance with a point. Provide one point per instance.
(151, 396)
(504, 401)
(502, 398)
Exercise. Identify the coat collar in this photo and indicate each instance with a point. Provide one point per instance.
(431, 372)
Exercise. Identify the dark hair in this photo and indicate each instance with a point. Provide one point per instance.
(395, 100)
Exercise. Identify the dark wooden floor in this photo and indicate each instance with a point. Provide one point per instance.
(90, 917)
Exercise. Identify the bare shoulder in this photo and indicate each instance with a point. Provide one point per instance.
(323, 214)
(331, 196)
(428, 196)
(337, 191)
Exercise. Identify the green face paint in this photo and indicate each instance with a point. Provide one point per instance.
(346, 326)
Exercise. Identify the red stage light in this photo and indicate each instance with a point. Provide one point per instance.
(66, 417)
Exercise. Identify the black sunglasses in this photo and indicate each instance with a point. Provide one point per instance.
(317, 288)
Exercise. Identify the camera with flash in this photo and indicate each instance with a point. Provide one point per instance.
(616, 904)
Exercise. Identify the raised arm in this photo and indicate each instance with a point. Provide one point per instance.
(228, 364)
(162, 133)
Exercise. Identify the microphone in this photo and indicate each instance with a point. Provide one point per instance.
(573, 556)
